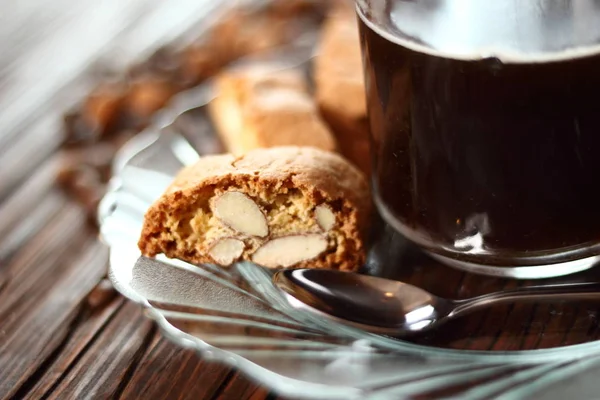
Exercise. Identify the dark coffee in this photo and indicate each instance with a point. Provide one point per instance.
(484, 155)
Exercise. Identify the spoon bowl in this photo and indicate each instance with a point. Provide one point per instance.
(361, 300)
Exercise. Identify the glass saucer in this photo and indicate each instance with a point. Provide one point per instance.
(236, 316)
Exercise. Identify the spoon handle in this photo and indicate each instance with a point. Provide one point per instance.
(573, 291)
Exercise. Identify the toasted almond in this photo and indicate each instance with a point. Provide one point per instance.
(287, 251)
(226, 251)
(325, 217)
(240, 213)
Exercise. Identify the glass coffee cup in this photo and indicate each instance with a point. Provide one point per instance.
(485, 125)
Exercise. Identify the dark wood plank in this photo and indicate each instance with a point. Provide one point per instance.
(169, 372)
(31, 222)
(28, 152)
(22, 202)
(100, 307)
(262, 393)
(111, 360)
(39, 313)
(49, 256)
(240, 387)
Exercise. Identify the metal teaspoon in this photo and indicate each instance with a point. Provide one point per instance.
(396, 308)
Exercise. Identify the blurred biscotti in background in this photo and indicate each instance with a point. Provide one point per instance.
(339, 83)
(257, 106)
(289, 107)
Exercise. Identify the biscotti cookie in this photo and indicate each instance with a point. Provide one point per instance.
(295, 207)
(257, 106)
(340, 91)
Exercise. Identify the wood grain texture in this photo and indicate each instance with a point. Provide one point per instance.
(111, 359)
(175, 373)
(64, 332)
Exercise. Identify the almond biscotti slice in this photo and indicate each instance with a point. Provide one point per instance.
(257, 106)
(295, 207)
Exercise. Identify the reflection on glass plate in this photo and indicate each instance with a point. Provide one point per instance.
(236, 316)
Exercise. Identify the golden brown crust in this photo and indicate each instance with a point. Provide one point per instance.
(340, 91)
(258, 106)
(320, 177)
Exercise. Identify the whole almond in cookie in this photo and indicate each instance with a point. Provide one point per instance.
(226, 251)
(290, 250)
(325, 217)
(240, 213)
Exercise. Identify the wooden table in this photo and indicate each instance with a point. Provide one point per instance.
(64, 332)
